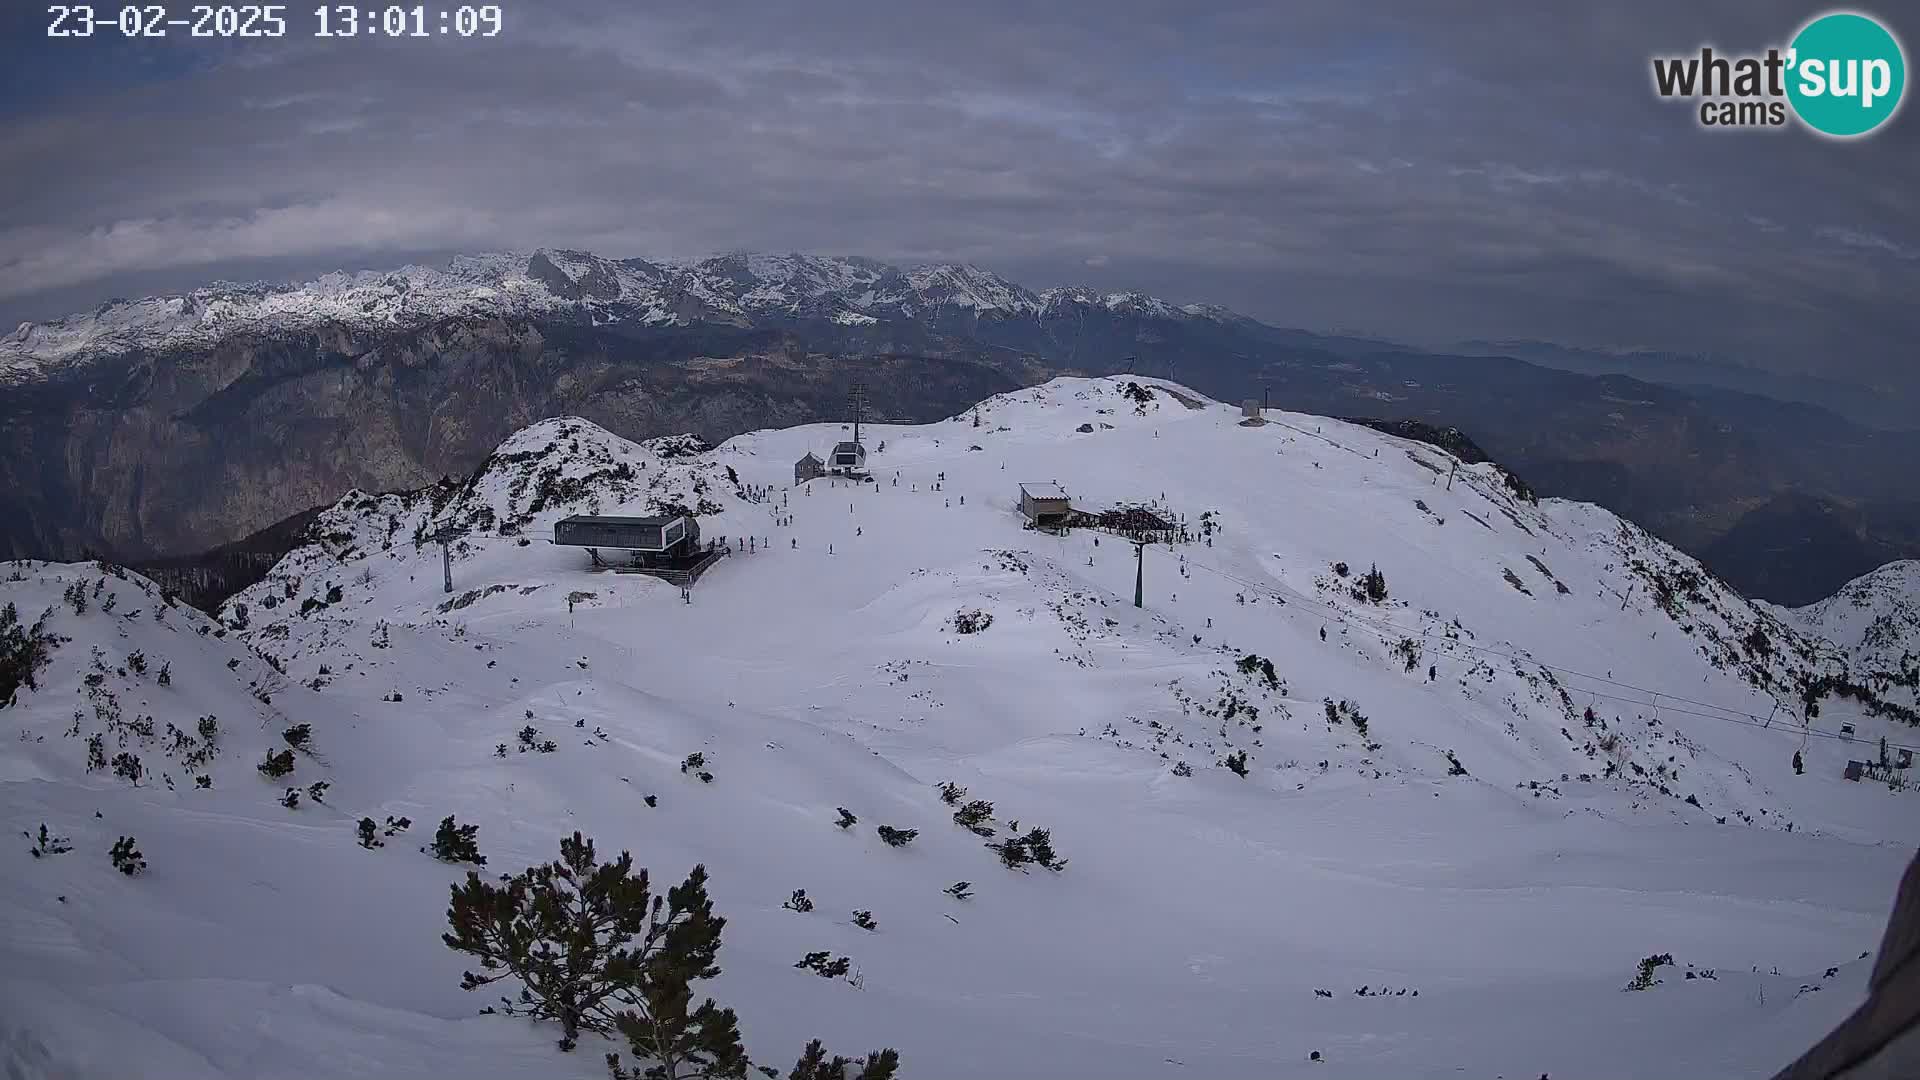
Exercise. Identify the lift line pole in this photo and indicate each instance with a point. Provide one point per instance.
(1139, 571)
(445, 538)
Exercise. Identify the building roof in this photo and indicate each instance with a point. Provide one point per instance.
(844, 447)
(809, 457)
(1044, 491)
(655, 521)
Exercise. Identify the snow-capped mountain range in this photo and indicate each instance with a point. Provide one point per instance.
(1430, 829)
(847, 290)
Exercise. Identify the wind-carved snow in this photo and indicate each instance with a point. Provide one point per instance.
(1428, 814)
(551, 283)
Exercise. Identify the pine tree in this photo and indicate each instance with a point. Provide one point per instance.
(819, 964)
(815, 1065)
(864, 920)
(897, 837)
(1040, 846)
(277, 765)
(126, 858)
(960, 890)
(298, 736)
(1237, 761)
(456, 843)
(1799, 767)
(47, 843)
(973, 817)
(847, 820)
(1033, 847)
(1013, 853)
(368, 838)
(798, 902)
(1644, 980)
(291, 800)
(1375, 585)
(951, 793)
(595, 949)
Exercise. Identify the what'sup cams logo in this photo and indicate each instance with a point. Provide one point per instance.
(1843, 75)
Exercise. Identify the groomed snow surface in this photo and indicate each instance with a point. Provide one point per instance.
(1197, 915)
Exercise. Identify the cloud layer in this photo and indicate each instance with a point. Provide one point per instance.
(1427, 170)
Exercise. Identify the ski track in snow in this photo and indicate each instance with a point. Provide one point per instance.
(1197, 914)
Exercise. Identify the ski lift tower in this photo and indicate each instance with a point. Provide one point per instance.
(850, 458)
(857, 404)
(445, 535)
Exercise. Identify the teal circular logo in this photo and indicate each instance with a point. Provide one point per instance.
(1846, 74)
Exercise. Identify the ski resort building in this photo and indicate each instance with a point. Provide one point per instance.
(848, 458)
(669, 536)
(808, 468)
(1045, 505)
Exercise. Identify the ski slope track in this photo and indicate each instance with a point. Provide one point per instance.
(1484, 861)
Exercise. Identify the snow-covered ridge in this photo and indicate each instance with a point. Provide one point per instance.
(1875, 621)
(1398, 831)
(570, 465)
(734, 287)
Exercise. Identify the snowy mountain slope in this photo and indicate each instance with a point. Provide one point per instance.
(572, 284)
(1197, 914)
(1875, 618)
(1874, 621)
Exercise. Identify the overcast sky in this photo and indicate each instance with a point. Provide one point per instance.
(1421, 169)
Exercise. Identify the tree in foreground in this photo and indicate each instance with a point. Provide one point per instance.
(595, 949)
(815, 1065)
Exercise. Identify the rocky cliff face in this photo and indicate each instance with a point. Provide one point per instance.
(163, 453)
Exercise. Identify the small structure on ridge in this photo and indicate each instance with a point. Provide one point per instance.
(1045, 505)
(808, 468)
(848, 458)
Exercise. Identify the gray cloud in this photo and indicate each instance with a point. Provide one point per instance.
(1427, 170)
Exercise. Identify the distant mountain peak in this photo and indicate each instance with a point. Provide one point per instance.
(734, 287)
